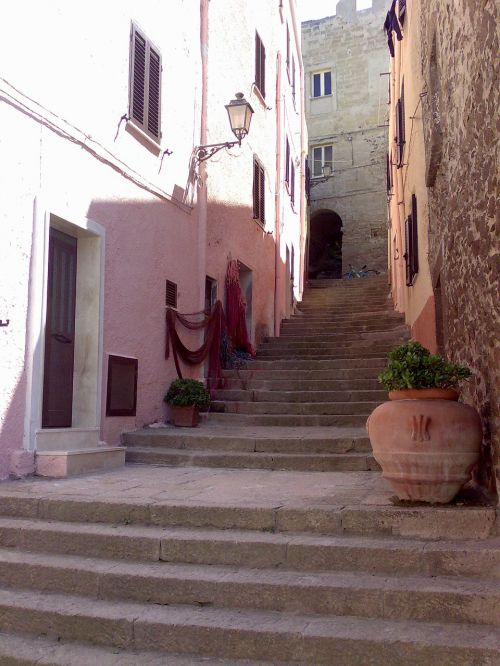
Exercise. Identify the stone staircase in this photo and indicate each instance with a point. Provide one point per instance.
(213, 555)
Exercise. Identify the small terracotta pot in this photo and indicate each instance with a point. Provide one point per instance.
(426, 448)
(184, 416)
(424, 394)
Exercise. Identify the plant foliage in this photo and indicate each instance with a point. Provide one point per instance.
(412, 366)
(184, 392)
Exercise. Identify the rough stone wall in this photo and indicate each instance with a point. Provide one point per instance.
(352, 44)
(460, 64)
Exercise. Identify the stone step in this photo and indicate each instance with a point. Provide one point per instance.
(371, 553)
(362, 341)
(378, 363)
(252, 372)
(321, 354)
(260, 440)
(347, 317)
(329, 329)
(317, 462)
(298, 409)
(246, 633)
(288, 384)
(25, 650)
(301, 396)
(299, 420)
(321, 593)
(322, 336)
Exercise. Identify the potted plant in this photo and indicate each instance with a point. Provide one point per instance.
(186, 398)
(425, 440)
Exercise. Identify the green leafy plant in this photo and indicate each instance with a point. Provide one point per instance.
(412, 366)
(183, 392)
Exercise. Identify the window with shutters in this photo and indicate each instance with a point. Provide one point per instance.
(287, 162)
(288, 69)
(292, 183)
(293, 80)
(321, 84)
(171, 294)
(400, 128)
(145, 84)
(260, 65)
(259, 184)
(411, 243)
(389, 172)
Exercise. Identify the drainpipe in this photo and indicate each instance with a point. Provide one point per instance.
(277, 201)
(303, 151)
(202, 188)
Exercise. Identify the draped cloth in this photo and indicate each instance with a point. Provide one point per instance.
(236, 310)
(211, 345)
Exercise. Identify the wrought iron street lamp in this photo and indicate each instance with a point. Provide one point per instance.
(240, 115)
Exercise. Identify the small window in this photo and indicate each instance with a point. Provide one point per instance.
(260, 65)
(145, 84)
(259, 183)
(171, 294)
(322, 84)
(322, 156)
(210, 293)
(121, 397)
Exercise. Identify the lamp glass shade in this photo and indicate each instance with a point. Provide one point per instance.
(240, 114)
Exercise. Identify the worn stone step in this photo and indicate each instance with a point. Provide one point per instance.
(322, 336)
(25, 650)
(299, 420)
(450, 599)
(259, 373)
(246, 633)
(372, 553)
(347, 317)
(297, 409)
(258, 439)
(288, 384)
(378, 362)
(362, 341)
(317, 462)
(321, 354)
(260, 395)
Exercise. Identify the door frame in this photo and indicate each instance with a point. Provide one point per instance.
(73, 223)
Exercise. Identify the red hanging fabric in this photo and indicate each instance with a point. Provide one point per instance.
(210, 347)
(236, 310)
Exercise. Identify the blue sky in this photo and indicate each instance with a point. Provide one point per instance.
(314, 9)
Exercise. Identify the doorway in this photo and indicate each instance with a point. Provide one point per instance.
(59, 356)
(325, 245)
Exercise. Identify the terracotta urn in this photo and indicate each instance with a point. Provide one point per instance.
(426, 445)
(184, 416)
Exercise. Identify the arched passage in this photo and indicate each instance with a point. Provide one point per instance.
(325, 245)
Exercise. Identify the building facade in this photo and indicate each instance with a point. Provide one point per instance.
(105, 214)
(443, 192)
(346, 82)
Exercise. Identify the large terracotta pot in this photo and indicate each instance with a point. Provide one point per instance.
(426, 448)
(184, 416)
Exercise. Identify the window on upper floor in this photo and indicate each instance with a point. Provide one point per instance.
(322, 160)
(145, 84)
(288, 51)
(260, 65)
(400, 128)
(259, 185)
(411, 243)
(321, 83)
(289, 171)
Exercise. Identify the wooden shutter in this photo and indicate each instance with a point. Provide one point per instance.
(400, 127)
(154, 93)
(288, 50)
(414, 235)
(255, 189)
(171, 294)
(138, 77)
(389, 171)
(408, 250)
(308, 181)
(260, 65)
(293, 79)
(287, 162)
(292, 183)
(262, 195)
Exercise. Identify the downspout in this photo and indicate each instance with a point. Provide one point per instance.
(202, 187)
(303, 152)
(277, 201)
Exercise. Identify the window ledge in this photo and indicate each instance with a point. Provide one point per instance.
(321, 96)
(143, 138)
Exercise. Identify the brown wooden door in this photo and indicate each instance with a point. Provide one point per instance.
(59, 331)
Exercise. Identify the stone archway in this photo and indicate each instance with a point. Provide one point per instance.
(325, 245)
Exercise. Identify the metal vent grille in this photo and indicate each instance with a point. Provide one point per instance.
(171, 294)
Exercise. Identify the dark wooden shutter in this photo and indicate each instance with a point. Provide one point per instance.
(288, 50)
(260, 65)
(408, 250)
(293, 79)
(262, 195)
(292, 183)
(388, 172)
(287, 162)
(154, 93)
(400, 127)
(414, 235)
(171, 294)
(308, 181)
(138, 77)
(402, 11)
(255, 189)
